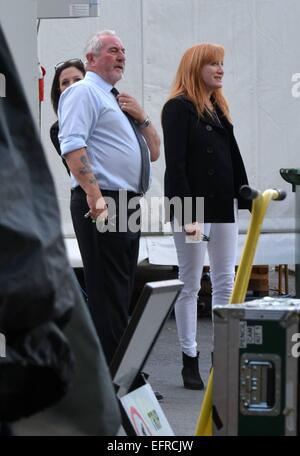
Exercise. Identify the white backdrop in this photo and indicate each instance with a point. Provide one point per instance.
(261, 38)
(19, 27)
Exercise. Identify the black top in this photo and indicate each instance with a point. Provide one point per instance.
(54, 138)
(202, 160)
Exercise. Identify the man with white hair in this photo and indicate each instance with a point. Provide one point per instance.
(108, 142)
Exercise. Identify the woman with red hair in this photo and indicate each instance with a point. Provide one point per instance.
(203, 165)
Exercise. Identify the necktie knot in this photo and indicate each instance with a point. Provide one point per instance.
(115, 92)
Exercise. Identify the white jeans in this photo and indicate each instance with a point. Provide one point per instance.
(222, 250)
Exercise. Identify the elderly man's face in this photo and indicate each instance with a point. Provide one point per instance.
(110, 63)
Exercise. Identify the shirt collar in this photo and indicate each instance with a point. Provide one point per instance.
(95, 77)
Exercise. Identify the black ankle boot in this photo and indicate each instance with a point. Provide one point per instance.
(190, 372)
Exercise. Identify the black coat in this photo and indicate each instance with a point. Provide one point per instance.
(202, 160)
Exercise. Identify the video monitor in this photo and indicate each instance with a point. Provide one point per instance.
(152, 310)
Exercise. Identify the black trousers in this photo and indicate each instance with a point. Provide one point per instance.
(109, 261)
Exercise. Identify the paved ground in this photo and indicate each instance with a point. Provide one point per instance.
(181, 406)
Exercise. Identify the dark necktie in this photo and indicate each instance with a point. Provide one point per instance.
(143, 148)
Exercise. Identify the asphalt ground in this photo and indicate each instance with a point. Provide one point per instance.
(181, 406)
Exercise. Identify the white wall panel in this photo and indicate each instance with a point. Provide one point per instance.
(19, 26)
(261, 38)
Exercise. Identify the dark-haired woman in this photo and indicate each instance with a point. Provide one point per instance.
(66, 74)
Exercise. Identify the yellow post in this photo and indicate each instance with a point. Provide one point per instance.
(204, 423)
(259, 207)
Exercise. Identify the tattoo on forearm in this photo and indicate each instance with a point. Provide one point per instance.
(86, 169)
(92, 180)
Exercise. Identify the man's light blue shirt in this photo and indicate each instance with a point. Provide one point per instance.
(90, 117)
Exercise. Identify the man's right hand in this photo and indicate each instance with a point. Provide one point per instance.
(97, 205)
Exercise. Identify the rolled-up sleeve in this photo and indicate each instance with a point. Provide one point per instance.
(76, 116)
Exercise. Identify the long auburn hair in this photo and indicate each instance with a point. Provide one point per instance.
(188, 80)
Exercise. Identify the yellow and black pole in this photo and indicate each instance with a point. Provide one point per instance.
(260, 204)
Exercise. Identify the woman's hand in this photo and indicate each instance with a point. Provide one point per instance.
(194, 230)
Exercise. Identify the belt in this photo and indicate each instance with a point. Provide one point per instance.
(112, 193)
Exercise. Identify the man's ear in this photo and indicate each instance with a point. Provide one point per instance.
(90, 58)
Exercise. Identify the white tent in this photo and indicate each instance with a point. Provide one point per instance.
(261, 38)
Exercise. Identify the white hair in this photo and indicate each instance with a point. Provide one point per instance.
(95, 43)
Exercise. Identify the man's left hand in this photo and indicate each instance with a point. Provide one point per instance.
(131, 106)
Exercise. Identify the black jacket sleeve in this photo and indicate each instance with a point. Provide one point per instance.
(175, 124)
(54, 138)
